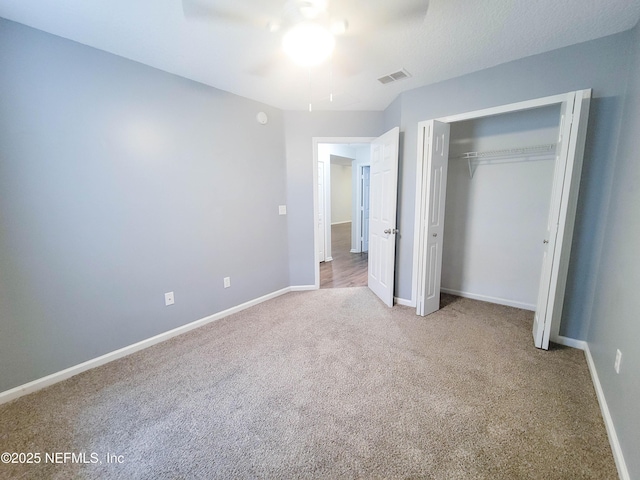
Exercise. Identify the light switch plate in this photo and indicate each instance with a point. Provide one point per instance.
(282, 209)
(616, 365)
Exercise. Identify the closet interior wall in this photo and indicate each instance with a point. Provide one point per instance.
(497, 205)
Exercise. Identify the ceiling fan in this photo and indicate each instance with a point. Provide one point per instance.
(308, 27)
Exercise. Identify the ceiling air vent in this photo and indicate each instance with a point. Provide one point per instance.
(394, 77)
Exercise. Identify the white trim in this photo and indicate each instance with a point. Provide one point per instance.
(357, 237)
(328, 259)
(487, 298)
(510, 107)
(569, 342)
(43, 382)
(606, 416)
(303, 288)
(340, 223)
(316, 208)
(621, 465)
(405, 302)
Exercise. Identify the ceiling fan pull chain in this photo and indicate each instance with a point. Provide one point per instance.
(331, 78)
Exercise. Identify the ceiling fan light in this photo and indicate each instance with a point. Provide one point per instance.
(308, 44)
(339, 27)
(273, 27)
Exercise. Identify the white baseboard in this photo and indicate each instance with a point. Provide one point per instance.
(43, 382)
(569, 342)
(354, 250)
(328, 259)
(404, 302)
(621, 465)
(486, 298)
(302, 288)
(340, 223)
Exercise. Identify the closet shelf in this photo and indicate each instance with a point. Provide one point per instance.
(512, 152)
(527, 152)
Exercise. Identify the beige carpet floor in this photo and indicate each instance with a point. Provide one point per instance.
(326, 384)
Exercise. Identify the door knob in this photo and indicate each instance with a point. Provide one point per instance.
(390, 230)
(545, 241)
(435, 234)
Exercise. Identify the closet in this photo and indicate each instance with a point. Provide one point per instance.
(497, 205)
(496, 194)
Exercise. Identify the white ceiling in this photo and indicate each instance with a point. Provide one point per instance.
(236, 53)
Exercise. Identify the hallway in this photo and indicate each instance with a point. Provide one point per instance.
(346, 269)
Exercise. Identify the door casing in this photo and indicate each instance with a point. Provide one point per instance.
(315, 142)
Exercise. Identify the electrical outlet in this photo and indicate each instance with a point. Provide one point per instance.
(227, 282)
(168, 299)
(282, 209)
(618, 361)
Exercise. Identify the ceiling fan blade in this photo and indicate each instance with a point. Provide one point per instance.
(206, 10)
(263, 69)
(412, 10)
(349, 57)
(365, 15)
(268, 65)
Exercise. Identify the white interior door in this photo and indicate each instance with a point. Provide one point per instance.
(365, 207)
(434, 178)
(382, 214)
(321, 209)
(566, 182)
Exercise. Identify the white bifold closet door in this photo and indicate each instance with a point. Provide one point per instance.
(430, 204)
(436, 151)
(564, 200)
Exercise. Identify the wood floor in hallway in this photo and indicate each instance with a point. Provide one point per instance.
(346, 269)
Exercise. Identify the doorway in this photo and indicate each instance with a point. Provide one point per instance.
(383, 196)
(343, 205)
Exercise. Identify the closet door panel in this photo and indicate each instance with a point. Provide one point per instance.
(436, 160)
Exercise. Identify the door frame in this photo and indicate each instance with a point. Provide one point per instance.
(359, 244)
(574, 145)
(322, 241)
(315, 142)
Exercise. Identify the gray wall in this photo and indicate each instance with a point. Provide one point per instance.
(601, 65)
(615, 319)
(300, 128)
(119, 182)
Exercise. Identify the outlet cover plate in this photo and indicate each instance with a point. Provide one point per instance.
(168, 299)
